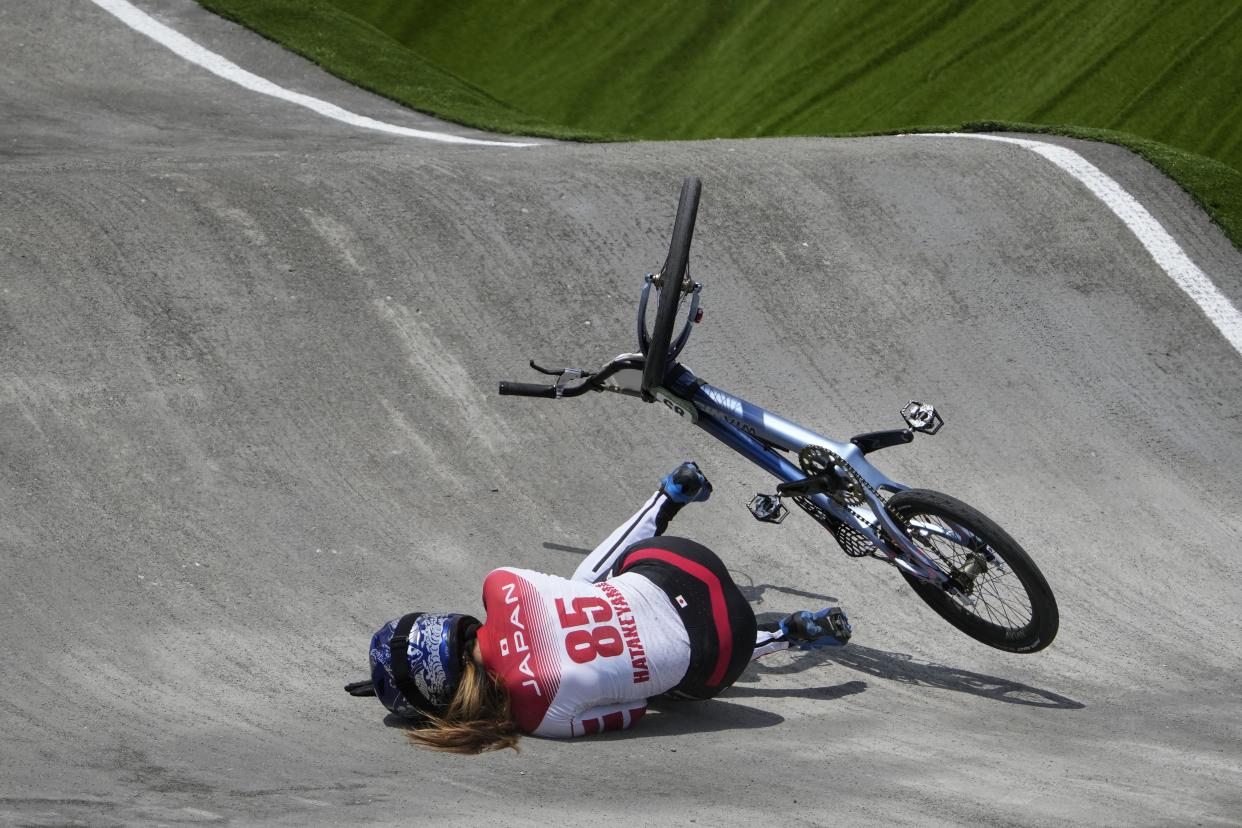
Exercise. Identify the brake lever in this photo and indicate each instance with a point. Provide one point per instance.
(574, 373)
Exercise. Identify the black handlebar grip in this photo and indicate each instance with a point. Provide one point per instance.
(527, 389)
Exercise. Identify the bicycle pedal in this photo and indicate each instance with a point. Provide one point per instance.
(767, 508)
(922, 417)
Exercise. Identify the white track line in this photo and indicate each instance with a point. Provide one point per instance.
(1167, 253)
(142, 22)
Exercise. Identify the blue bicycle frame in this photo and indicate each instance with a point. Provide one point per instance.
(760, 435)
(832, 481)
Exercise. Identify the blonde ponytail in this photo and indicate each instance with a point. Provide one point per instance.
(478, 718)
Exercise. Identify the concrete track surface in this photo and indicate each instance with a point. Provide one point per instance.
(248, 413)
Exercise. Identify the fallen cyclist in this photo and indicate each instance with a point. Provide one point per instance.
(644, 615)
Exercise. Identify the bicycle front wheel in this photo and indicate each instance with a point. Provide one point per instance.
(1005, 601)
(671, 277)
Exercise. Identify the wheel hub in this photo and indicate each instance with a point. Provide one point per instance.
(965, 576)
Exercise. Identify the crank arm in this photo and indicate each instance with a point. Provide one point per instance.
(817, 484)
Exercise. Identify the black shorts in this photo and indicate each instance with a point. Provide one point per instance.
(718, 619)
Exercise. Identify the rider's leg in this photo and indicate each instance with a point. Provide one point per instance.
(805, 630)
(642, 524)
(768, 641)
(718, 620)
(685, 484)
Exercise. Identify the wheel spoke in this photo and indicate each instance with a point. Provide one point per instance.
(1007, 603)
(1001, 598)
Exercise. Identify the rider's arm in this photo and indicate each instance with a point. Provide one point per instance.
(647, 522)
(593, 720)
(684, 484)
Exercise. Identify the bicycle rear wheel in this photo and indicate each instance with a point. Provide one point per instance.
(1013, 608)
(671, 277)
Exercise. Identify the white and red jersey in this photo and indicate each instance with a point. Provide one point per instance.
(580, 657)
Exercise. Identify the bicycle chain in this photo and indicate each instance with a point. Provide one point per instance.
(852, 498)
(854, 538)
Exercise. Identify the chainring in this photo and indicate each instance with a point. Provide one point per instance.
(816, 460)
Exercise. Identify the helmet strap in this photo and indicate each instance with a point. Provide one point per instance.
(398, 648)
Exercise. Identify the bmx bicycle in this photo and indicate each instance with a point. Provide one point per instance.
(959, 561)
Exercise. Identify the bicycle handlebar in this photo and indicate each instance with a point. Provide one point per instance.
(584, 381)
(660, 349)
(526, 389)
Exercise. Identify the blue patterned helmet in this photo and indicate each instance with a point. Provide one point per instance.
(416, 661)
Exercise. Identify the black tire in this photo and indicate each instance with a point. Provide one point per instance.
(671, 276)
(1016, 610)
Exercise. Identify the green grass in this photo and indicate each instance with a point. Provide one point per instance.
(1160, 78)
(352, 49)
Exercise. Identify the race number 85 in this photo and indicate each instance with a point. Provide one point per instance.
(585, 645)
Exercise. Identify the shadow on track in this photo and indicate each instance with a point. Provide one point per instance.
(580, 551)
(836, 691)
(675, 717)
(902, 668)
(671, 717)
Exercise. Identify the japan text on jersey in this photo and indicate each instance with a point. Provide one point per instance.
(577, 656)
